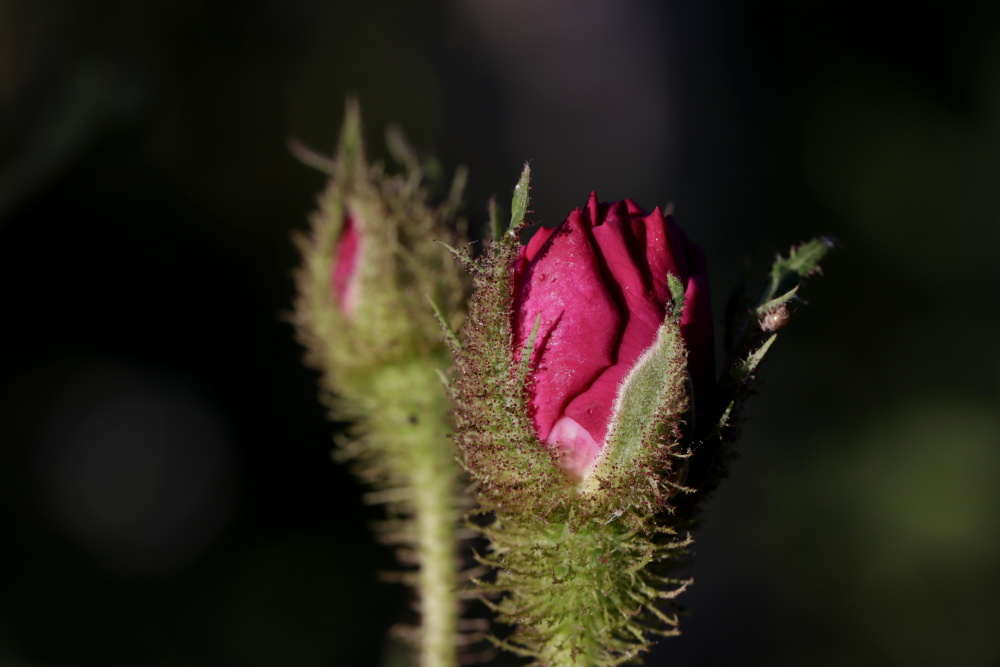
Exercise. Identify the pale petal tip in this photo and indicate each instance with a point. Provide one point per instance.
(577, 448)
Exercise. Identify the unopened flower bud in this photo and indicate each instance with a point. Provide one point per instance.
(373, 264)
(599, 283)
(573, 392)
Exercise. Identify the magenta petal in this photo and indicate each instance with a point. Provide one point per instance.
(594, 210)
(599, 281)
(541, 237)
(592, 408)
(344, 281)
(642, 314)
(577, 448)
(563, 285)
(641, 303)
(675, 258)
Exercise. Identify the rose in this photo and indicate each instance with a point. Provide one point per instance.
(599, 282)
(344, 275)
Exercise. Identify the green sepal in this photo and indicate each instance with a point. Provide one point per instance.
(747, 366)
(495, 437)
(641, 463)
(519, 204)
(740, 376)
(802, 261)
(676, 294)
(777, 302)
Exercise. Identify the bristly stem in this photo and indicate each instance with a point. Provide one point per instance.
(436, 513)
(412, 430)
(437, 580)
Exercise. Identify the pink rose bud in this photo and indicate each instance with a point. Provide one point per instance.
(344, 280)
(599, 282)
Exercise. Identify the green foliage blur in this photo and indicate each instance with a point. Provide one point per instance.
(166, 493)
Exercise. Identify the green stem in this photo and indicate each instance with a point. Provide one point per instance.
(437, 579)
(412, 423)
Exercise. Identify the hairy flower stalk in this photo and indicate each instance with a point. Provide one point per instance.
(585, 397)
(372, 268)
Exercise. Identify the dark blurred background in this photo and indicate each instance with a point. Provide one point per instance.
(166, 493)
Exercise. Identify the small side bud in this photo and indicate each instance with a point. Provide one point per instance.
(774, 319)
(376, 254)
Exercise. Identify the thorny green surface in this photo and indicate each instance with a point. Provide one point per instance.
(583, 594)
(381, 366)
(580, 572)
